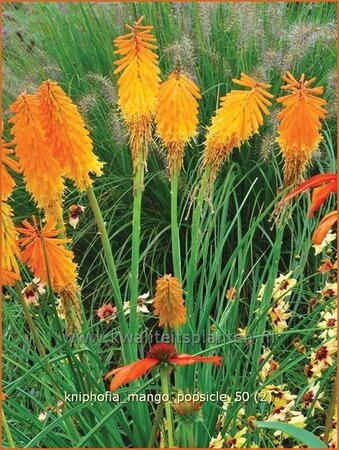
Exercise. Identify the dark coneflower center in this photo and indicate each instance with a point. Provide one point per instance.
(162, 352)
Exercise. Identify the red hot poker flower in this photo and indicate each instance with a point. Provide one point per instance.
(158, 353)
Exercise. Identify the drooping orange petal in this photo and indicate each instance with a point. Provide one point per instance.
(67, 135)
(131, 372)
(42, 172)
(138, 83)
(324, 226)
(316, 180)
(184, 359)
(320, 194)
(300, 125)
(239, 117)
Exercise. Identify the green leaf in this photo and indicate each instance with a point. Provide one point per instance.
(306, 437)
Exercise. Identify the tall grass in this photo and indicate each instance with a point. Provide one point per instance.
(237, 245)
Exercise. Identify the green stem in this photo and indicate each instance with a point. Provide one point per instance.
(156, 424)
(138, 188)
(166, 393)
(7, 430)
(329, 414)
(111, 269)
(189, 430)
(174, 226)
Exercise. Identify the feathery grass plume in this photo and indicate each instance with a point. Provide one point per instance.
(138, 84)
(299, 129)
(169, 302)
(7, 182)
(177, 116)
(237, 119)
(46, 256)
(67, 134)
(10, 272)
(42, 172)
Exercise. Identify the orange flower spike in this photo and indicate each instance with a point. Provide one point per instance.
(138, 84)
(158, 354)
(41, 245)
(67, 134)
(7, 182)
(9, 248)
(169, 302)
(177, 116)
(42, 172)
(300, 124)
(239, 116)
(324, 226)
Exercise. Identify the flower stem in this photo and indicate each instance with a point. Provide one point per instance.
(166, 393)
(7, 430)
(138, 188)
(112, 272)
(189, 430)
(329, 414)
(174, 227)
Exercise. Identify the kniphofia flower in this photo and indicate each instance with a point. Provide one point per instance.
(323, 185)
(300, 124)
(7, 182)
(46, 256)
(67, 135)
(42, 172)
(158, 354)
(169, 302)
(9, 248)
(138, 84)
(177, 116)
(237, 119)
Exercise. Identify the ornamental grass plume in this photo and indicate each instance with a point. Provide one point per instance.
(138, 84)
(10, 254)
(238, 118)
(169, 302)
(67, 135)
(7, 182)
(299, 130)
(177, 116)
(42, 172)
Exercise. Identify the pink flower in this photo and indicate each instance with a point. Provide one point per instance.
(107, 313)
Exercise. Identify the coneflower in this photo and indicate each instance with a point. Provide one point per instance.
(46, 256)
(67, 135)
(299, 129)
(138, 84)
(9, 248)
(238, 118)
(7, 182)
(42, 172)
(177, 116)
(169, 302)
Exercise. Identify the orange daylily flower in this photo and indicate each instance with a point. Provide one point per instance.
(324, 185)
(300, 125)
(159, 353)
(46, 256)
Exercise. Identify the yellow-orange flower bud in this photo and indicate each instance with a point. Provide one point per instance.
(169, 302)
(177, 116)
(9, 248)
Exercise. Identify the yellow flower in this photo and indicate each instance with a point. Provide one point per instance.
(42, 172)
(299, 129)
(7, 182)
(10, 272)
(138, 83)
(216, 442)
(67, 135)
(177, 116)
(238, 118)
(169, 302)
(237, 441)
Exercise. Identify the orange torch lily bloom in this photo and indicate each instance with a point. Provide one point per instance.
(159, 353)
(7, 182)
(324, 185)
